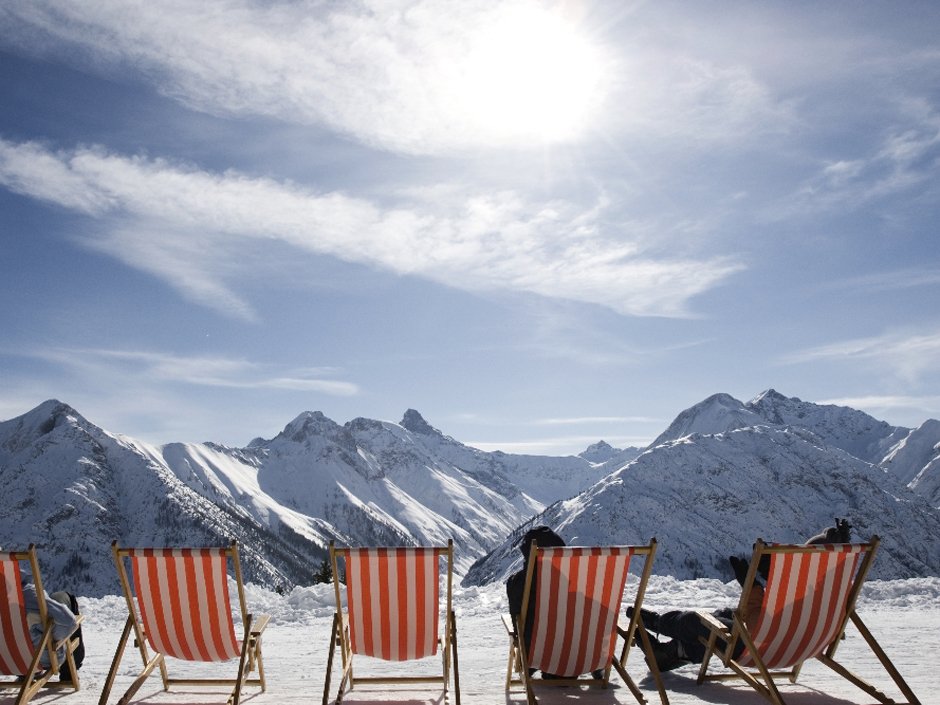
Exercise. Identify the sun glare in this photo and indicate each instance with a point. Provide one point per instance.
(530, 75)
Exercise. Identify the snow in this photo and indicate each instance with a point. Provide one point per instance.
(904, 615)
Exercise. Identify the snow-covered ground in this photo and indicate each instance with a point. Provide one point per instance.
(903, 615)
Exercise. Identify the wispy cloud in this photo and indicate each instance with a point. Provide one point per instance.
(906, 158)
(882, 403)
(187, 226)
(906, 355)
(400, 75)
(593, 420)
(570, 445)
(155, 367)
(888, 281)
(417, 76)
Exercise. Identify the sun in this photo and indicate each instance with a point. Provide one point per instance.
(531, 74)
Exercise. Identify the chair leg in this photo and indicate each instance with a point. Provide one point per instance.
(139, 681)
(709, 650)
(259, 662)
(647, 648)
(453, 639)
(35, 678)
(511, 663)
(625, 677)
(347, 678)
(70, 646)
(885, 662)
(768, 688)
(242, 664)
(522, 660)
(115, 662)
(334, 637)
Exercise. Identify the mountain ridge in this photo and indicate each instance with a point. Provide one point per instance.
(73, 488)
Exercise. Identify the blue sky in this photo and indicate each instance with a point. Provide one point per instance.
(539, 224)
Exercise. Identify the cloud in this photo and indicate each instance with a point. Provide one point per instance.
(405, 75)
(927, 404)
(909, 356)
(905, 158)
(193, 228)
(413, 76)
(555, 446)
(581, 420)
(197, 371)
(894, 280)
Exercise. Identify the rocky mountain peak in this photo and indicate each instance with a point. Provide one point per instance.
(414, 422)
(718, 413)
(307, 425)
(31, 427)
(599, 452)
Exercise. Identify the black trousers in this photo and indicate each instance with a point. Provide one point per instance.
(685, 626)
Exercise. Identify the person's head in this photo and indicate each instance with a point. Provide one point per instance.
(543, 537)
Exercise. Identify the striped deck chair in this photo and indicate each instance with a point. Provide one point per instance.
(578, 592)
(182, 610)
(19, 657)
(392, 613)
(808, 600)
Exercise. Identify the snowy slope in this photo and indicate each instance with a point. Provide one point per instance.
(722, 474)
(75, 488)
(72, 489)
(705, 497)
(907, 453)
(915, 459)
(716, 414)
(903, 615)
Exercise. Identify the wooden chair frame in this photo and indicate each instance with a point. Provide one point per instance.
(517, 669)
(340, 636)
(724, 642)
(15, 633)
(250, 657)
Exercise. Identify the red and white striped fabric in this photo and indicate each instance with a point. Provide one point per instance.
(577, 593)
(393, 601)
(184, 602)
(16, 648)
(804, 603)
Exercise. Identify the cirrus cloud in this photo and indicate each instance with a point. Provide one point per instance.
(189, 227)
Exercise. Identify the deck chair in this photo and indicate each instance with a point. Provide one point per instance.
(578, 593)
(19, 657)
(182, 609)
(808, 600)
(392, 613)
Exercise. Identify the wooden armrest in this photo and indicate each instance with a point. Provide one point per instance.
(507, 622)
(259, 623)
(710, 622)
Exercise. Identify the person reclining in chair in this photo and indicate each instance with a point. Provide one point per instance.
(62, 608)
(685, 628)
(544, 537)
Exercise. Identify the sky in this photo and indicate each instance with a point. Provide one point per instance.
(540, 224)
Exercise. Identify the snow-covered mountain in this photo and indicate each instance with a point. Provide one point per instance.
(725, 473)
(912, 455)
(72, 488)
(722, 474)
(915, 459)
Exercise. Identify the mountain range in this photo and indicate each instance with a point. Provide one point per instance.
(725, 473)
(722, 474)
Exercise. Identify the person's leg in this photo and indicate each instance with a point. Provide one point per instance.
(685, 627)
